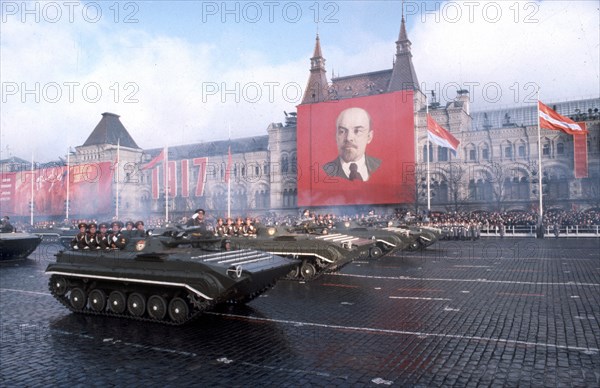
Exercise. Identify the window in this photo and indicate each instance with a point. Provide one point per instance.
(560, 148)
(472, 155)
(485, 154)
(521, 150)
(442, 154)
(508, 151)
(546, 149)
(425, 153)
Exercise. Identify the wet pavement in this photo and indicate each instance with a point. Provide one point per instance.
(493, 312)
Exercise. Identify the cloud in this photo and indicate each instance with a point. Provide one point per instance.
(170, 88)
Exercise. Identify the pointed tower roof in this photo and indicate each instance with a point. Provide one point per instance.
(404, 76)
(317, 88)
(110, 130)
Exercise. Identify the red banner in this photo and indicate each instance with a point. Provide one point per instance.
(357, 151)
(89, 190)
(580, 162)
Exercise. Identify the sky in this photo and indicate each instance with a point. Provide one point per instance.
(181, 72)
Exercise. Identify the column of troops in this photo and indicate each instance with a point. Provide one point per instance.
(93, 236)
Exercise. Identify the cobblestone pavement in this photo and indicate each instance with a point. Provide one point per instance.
(518, 312)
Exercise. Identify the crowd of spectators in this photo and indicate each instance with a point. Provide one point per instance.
(484, 219)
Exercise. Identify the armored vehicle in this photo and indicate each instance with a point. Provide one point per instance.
(386, 241)
(419, 237)
(18, 244)
(154, 279)
(318, 250)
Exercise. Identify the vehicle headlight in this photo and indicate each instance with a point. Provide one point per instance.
(271, 231)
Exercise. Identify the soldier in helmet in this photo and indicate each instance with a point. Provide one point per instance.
(102, 236)
(116, 238)
(78, 241)
(90, 236)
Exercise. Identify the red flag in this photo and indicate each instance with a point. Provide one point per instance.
(438, 135)
(549, 119)
(159, 158)
(228, 169)
(580, 161)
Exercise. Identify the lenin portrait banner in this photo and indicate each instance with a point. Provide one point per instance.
(90, 190)
(357, 151)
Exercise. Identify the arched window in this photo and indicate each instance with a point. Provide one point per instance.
(560, 148)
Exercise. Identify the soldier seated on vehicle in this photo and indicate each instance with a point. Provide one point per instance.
(220, 229)
(229, 227)
(238, 227)
(102, 236)
(116, 238)
(90, 237)
(248, 229)
(129, 231)
(78, 241)
(139, 230)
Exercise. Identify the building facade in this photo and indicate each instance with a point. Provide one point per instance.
(495, 167)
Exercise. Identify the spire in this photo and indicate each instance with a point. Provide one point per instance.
(404, 76)
(317, 87)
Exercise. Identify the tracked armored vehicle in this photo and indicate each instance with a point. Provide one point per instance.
(386, 241)
(154, 279)
(419, 237)
(318, 250)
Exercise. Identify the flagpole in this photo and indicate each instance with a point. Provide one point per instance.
(229, 176)
(117, 194)
(428, 152)
(541, 212)
(68, 181)
(32, 182)
(166, 174)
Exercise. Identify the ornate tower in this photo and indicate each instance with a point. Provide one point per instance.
(317, 87)
(404, 76)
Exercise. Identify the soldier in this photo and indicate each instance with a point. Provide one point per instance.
(128, 232)
(229, 227)
(248, 229)
(6, 225)
(197, 220)
(139, 230)
(102, 236)
(237, 228)
(116, 238)
(78, 241)
(220, 229)
(90, 237)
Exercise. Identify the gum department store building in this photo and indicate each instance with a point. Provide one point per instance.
(495, 167)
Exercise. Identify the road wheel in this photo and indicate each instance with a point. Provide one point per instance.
(178, 310)
(157, 307)
(97, 299)
(308, 270)
(136, 304)
(117, 302)
(77, 299)
(375, 252)
(58, 285)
